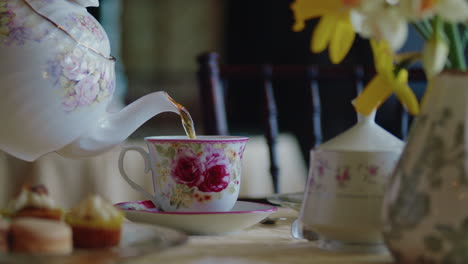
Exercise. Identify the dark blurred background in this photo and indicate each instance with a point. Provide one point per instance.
(158, 40)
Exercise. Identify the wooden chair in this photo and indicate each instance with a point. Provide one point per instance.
(325, 93)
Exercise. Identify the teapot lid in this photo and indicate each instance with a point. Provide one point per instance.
(73, 19)
(365, 135)
(87, 3)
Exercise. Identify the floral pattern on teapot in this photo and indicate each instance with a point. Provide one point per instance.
(17, 30)
(86, 23)
(83, 79)
(190, 178)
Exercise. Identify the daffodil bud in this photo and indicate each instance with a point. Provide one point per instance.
(435, 54)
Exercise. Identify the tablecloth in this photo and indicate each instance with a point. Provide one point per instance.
(259, 244)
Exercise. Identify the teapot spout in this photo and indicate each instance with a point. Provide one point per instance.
(114, 128)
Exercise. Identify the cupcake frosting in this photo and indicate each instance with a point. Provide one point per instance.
(31, 197)
(95, 208)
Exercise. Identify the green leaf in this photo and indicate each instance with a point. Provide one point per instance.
(197, 148)
(160, 149)
(171, 152)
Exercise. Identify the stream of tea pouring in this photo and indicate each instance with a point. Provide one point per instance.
(188, 125)
(114, 128)
(187, 121)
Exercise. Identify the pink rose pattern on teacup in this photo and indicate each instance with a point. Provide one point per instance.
(211, 175)
(187, 168)
(84, 77)
(198, 174)
(216, 174)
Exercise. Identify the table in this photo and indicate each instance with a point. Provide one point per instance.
(259, 244)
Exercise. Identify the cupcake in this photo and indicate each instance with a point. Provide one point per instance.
(34, 202)
(40, 236)
(95, 223)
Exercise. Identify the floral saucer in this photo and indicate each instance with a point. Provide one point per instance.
(241, 216)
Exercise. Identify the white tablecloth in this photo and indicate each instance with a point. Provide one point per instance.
(259, 244)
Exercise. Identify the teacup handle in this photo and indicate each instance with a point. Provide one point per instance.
(124, 175)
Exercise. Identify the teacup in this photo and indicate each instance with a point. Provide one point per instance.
(191, 175)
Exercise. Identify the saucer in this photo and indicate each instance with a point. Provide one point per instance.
(241, 216)
(291, 200)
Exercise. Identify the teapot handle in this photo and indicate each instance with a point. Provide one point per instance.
(124, 175)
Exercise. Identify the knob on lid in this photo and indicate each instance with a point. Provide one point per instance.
(366, 135)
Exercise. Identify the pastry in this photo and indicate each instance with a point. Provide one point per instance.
(4, 228)
(40, 236)
(95, 223)
(34, 202)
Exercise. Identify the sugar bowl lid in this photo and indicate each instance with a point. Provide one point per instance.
(365, 135)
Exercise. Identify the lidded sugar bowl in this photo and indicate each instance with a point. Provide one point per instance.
(345, 187)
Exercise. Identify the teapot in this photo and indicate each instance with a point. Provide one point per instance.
(57, 79)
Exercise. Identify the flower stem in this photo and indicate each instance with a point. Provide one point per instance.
(456, 55)
(464, 38)
(423, 29)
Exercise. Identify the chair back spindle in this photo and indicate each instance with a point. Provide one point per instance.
(271, 124)
(317, 122)
(212, 95)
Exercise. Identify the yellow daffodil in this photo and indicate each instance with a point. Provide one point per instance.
(385, 83)
(435, 55)
(449, 10)
(334, 29)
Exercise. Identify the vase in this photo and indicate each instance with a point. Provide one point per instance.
(425, 210)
